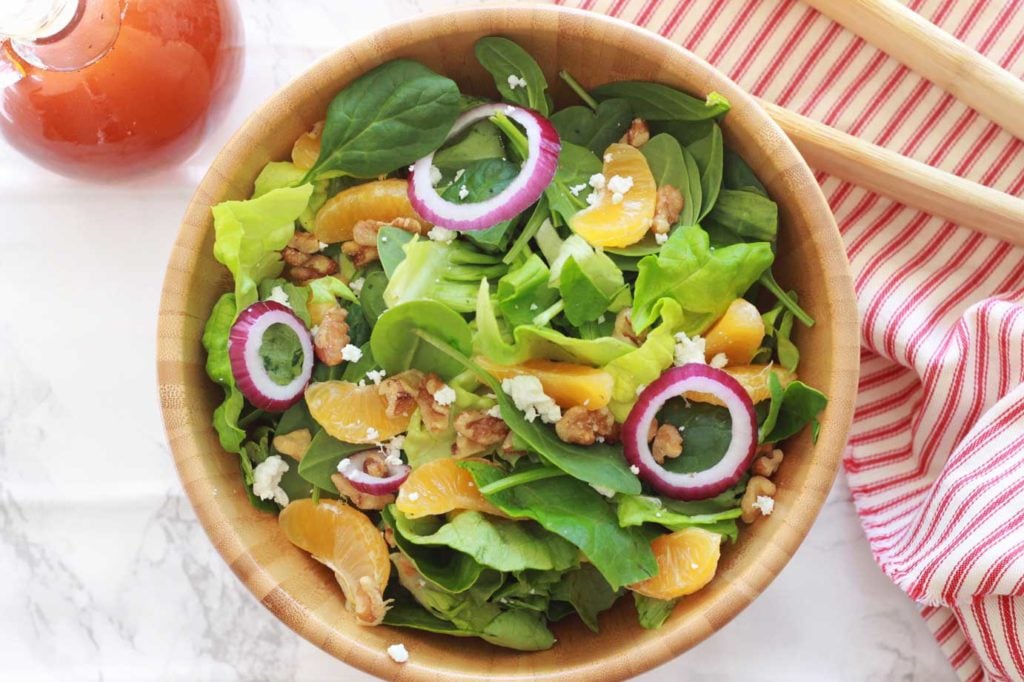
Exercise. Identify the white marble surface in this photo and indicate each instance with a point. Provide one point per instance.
(106, 573)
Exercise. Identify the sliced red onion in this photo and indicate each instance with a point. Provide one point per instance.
(698, 485)
(537, 171)
(353, 469)
(251, 376)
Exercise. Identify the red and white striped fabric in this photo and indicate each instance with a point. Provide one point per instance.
(936, 457)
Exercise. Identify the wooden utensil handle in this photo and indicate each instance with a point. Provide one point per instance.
(936, 55)
(908, 181)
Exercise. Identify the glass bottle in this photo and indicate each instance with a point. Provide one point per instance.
(108, 88)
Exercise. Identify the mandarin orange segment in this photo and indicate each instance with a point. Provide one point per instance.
(353, 413)
(737, 334)
(306, 149)
(568, 384)
(753, 378)
(687, 560)
(346, 541)
(611, 223)
(439, 487)
(382, 200)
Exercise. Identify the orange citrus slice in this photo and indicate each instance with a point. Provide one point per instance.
(753, 378)
(619, 219)
(568, 384)
(738, 333)
(687, 560)
(439, 487)
(353, 413)
(382, 200)
(306, 149)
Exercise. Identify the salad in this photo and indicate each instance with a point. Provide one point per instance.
(494, 363)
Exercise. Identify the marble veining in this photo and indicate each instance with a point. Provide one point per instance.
(107, 575)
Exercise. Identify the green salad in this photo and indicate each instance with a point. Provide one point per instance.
(496, 363)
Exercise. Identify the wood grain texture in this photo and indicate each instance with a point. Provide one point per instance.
(902, 179)
(595, 49)
(927, 49)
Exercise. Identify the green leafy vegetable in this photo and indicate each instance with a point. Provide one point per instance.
(589, 281)
(707, 432)
(322, 458)
(422, 446)
(588, 592)
(482, 140)
(748, 214)
(482, 180)
(574, 510)
(652, 613)
(567, 193)
(800, 406)
(643, 365)
(517, 76)
(397, 347)
(391, 243)
(385, 120)
(278, 174)
(736, 174)
(524, 290)
(594, 130)
(707, 153)
(447, 273)
(671, 165)
(372, 296)
(767, 280)
(297, 296)
(702, 280)
(655, 102)
(636, 510)
(281, 353)
(449, 570)
(218, 368)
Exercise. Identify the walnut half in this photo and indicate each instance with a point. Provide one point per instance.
(584, 427)
(753, 504)
(476, 432)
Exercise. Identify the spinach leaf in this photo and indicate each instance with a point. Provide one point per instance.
(218, 368)
(707, 153)
(672, 165)
(497, 543)
(789, 354)
(537, 218)
(482, 180)
(778, 394)
(787, 299)
(385, 120)
(736, 174)
(397, 348)
(517, 76)
(281, 354)
(371, 297)
(652, 613)
(578, 513)
(405, 615)
(322, 458)
(588, 592)
(589, 281)
(446, 273)
(391, 243)
(567, 193)
(702, 280)
(482, 140)
(594, 130)
(356, 371)
(685, 132)
(295, 418)
(655, 102)
(636, 510)
(748, 214)
(524, 290)
(449, 570)
(800, 406)
(706, 431)
(358, 326)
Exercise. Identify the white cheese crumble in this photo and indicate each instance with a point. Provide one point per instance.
(689, 350)
(439, 234)
(356, 285)
(765, 504)
(618, 186)
(323, 245)
(528, 395)
(494, 411)
(445, 395)
(372, 433)
(634, 469)
(661, 237)
(278, 295)
(607, 492)
(515, 81)
(607, 158)
(576, 189)
(458, 175)
(398, 653)
(435, 175)
(463, 192)
(314, 329)
(393, 451)
(719, 361)
(351, 353)
(598, 439)
(593, 198)
(376, 375)
(597, 181)
(266, 480)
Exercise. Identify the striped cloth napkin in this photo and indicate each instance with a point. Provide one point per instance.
(936, 453)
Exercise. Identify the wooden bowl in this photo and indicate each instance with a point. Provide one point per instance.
(595, 49)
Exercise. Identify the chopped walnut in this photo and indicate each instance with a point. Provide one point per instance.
(757, 486)
(433, 414)
(623, 329)
(668, 443)
(638, 133)
(477, 432)
(584, 427)
(362, 249)
(400, 392)
(667, 209)
(303, 259)
(331, 336)
(389, 537)
(652, 430)
(365, 600)
(767, 465)
(374, 466)
(357, 498)
(293, 444)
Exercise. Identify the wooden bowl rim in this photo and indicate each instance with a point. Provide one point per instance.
(828, 450)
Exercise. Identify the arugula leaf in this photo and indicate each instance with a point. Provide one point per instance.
(588, 592)
(451, 571)
(594, 130)
(498, 543)
(447, 273)
(391, 243)
(655, 102)
(321, 460)
(672, 165)
(636, 510)
(249, 236)
(652, 613)
(567, 193)
(504, 60)
(574, 510)
(707, 153)
(397, 348)
(748, 214)
(644, 364)
(800, 406)
(482, 140)
(524, 290)
(702, 280)
(385, 120)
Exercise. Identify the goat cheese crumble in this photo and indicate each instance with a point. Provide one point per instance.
(528, 395)
(634, 469)
(515, 81)
(463, 192)
(266, 480)
(661, 237)
(376, 375)
(278, 295)
(435, 175)
(351, 353)
(398, 653)
(439, 234)
(356, 285)
(689, 349)
(764, 504)
(719, 361)
(444, 395)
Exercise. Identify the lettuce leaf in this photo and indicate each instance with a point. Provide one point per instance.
(636, 510)
(643, 365)
(218, 367)
(652, 613)
(278, 174)
(524, 291)
(703, 280)
(328, 289)
(446, 273)
(249, 235)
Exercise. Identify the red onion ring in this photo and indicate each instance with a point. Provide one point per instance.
(697, 485)
(352, 469)
(251, 376)
(537, 171)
